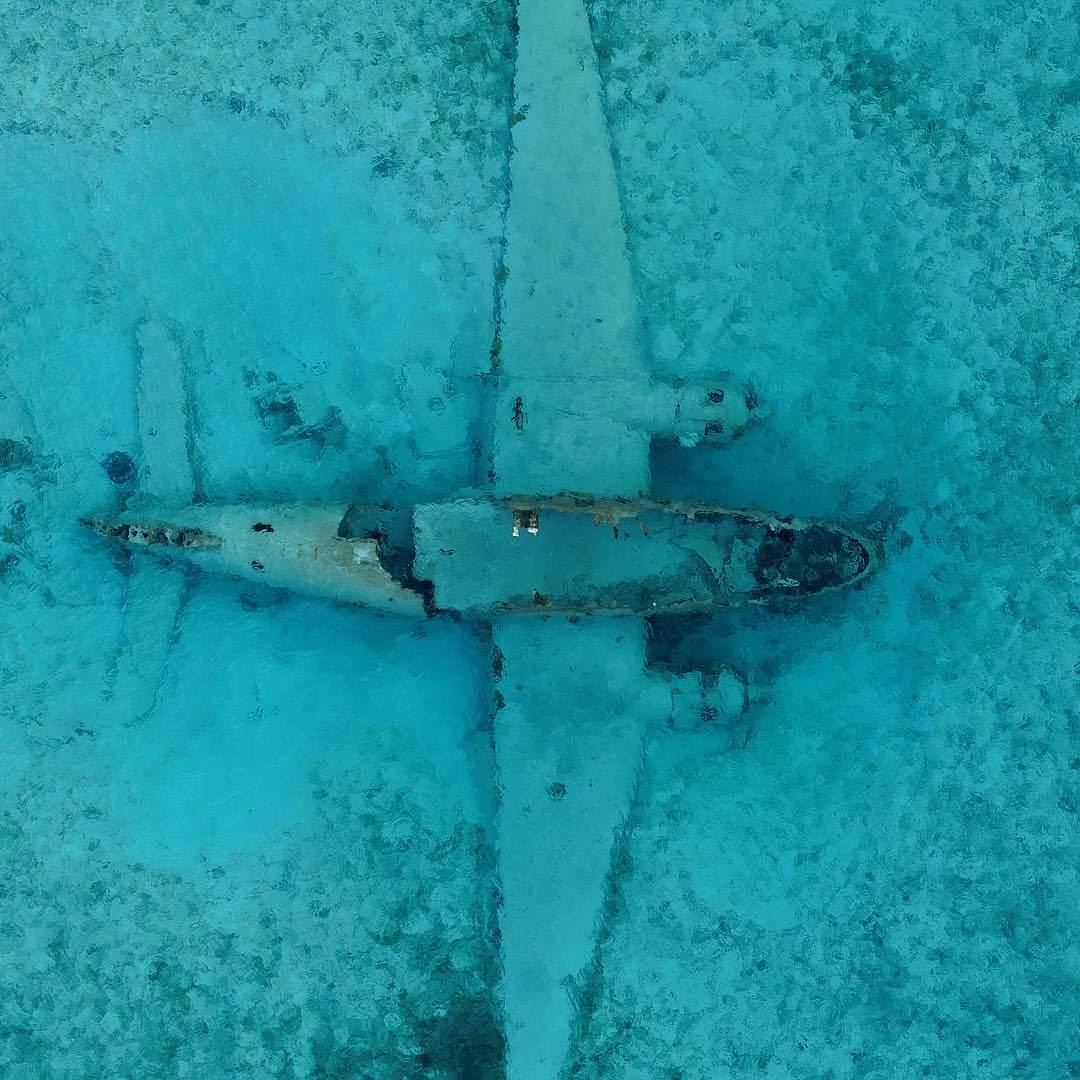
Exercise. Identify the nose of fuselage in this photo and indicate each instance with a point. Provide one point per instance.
(811, 559)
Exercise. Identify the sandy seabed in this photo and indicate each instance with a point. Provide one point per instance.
(250, 842)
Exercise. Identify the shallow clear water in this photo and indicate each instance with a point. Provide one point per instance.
(248, 834)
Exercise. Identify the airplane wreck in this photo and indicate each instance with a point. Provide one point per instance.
(562, 551)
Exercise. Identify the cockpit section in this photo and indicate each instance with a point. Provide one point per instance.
(809, 560)
(634, 557)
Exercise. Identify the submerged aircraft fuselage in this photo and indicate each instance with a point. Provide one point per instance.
(486, 557)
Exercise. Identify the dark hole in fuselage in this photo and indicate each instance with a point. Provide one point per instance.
(262, 526)
(392, 531)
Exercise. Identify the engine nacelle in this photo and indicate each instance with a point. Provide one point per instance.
(695, 410)
(718, 697)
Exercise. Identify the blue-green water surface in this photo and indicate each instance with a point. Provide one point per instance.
(247, 835)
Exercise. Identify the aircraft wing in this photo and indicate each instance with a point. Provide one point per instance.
(570, 359)
(576, 703)
(570, 371)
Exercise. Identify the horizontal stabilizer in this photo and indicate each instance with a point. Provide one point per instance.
(164, 419)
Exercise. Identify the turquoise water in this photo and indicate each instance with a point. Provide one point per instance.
(250, 835)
